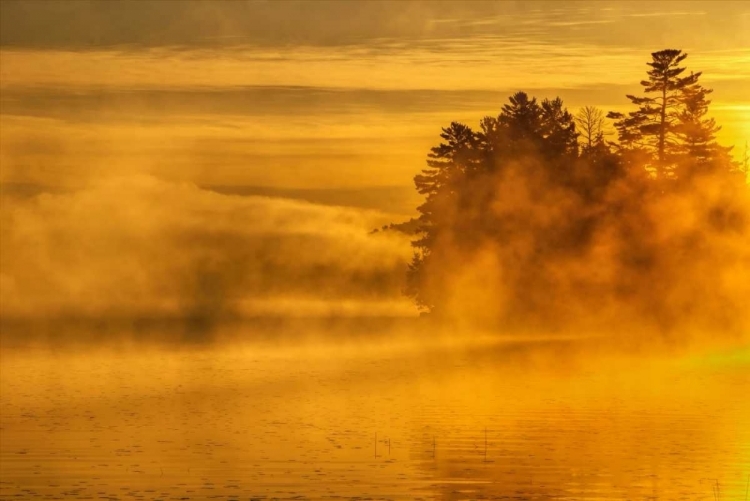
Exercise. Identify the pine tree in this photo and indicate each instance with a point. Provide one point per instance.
(450, 159)
(558, 129)
(447, 166)
(461, 181)
(521, 120)
(443, 184)
(654, 125)
(697, 133)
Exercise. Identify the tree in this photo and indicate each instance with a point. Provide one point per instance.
(461, 186)
(653, 126)
(697, 133)
(525, 126)
(440, 183)
(448, 164)
(558, 129)
(591, 122)
(521, 120)
(742, 166)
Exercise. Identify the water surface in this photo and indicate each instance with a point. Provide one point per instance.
(432, 420)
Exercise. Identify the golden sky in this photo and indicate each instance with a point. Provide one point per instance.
(321, 95)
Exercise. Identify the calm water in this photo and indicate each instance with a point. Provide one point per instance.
(378, 421)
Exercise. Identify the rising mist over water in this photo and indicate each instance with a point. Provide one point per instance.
(144, 247)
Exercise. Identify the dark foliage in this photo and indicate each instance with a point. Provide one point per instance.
(522, 225)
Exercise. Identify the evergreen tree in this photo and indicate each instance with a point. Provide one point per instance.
(521, 120)
(697, 133)
(460, 183)
(448, 164)
(441, 184)
(558, 130)
(653, 126)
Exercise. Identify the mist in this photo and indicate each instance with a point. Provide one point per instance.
(142, 247)
(674, 266)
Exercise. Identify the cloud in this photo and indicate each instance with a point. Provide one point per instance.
(481, 62)
(80, 25)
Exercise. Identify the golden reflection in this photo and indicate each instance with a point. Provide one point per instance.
(452, 421)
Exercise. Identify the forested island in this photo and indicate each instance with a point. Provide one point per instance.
(542, 218)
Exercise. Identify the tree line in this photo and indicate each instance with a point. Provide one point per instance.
(537, 217)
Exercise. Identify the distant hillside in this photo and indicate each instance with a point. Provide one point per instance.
(396, 200)
(401, 200)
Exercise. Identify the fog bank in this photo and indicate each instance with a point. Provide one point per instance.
(140, 246)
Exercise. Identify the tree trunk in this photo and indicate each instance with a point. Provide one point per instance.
(663, 128)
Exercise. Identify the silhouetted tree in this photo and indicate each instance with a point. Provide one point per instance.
(521, 120)
(460, 182)
(697, 133)
(526, 127)
(654, 124)
(447, 166)
(558, 130)
(441, 183)
(591, 122)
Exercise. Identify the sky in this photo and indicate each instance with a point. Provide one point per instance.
(333, 99)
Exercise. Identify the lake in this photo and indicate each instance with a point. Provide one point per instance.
(401, 418)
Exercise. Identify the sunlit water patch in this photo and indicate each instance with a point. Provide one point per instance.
(371, 421)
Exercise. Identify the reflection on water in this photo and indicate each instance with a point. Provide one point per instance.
(371, 421)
